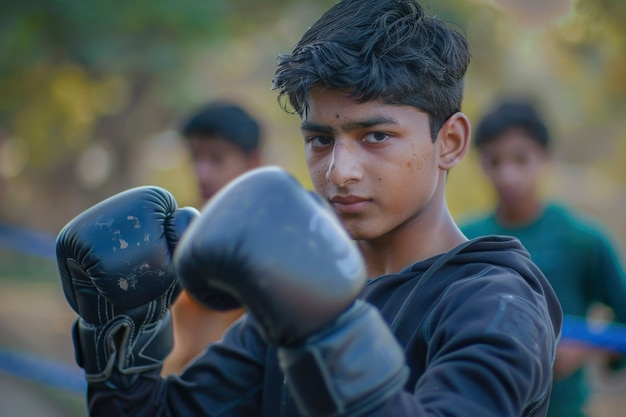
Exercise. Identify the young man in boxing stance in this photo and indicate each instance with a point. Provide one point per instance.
(400, 316)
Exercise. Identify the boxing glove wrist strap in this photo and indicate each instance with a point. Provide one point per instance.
(115, 355)
(351, 367)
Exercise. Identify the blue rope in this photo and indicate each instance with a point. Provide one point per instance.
(27, 241)
(44, 371)
(25, 366)
(610, 336)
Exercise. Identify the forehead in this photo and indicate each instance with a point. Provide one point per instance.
(213, 143)
(337, 107)
(512, 141)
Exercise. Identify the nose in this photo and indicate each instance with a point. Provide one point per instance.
(507, 173)
(203, 169)
(344, 167)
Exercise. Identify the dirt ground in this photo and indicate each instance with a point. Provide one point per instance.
(35, 319)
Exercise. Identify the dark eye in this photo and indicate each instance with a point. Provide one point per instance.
(317, 141)
(375, 137)
(491, 162)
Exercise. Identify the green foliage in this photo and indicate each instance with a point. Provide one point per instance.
(65, 64)
(101, 35)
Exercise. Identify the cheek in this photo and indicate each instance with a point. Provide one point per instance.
(410, 174)
(201, 168)
(416, 162)
(419, 160)
(535, 177)
(423, 171)
(403, 168)
(317, 173)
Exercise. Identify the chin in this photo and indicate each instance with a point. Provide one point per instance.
(207, 194)
(357, 231)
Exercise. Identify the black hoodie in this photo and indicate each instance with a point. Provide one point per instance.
(479, 332)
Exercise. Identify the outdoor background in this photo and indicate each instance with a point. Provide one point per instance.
(91, 95)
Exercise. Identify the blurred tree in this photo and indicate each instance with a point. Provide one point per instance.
(84, 82)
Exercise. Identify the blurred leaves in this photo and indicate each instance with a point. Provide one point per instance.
(66, 64)
(101, 36)
(78, 74)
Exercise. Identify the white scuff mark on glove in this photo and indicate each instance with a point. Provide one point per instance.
(136, 220)
(123, 284)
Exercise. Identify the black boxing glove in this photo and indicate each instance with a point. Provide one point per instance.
(115, 264)
(278, 249)
(281, 251)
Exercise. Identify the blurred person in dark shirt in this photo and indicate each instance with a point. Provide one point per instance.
(224, 142)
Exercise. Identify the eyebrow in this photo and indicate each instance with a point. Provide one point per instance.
(350, 125)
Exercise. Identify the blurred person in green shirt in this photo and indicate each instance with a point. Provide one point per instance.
(576, 255)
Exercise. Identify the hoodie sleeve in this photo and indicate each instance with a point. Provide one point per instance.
(225, 380)
(491, 343)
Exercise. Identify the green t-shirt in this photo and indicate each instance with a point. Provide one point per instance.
(580, 262)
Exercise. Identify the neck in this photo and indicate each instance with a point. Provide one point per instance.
(519, 214)
(431, 233)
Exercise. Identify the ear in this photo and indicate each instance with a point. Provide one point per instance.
(453, 141)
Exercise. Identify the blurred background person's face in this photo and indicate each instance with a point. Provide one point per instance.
(514, 163)
(217, 161)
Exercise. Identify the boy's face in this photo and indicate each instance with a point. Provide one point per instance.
(217, 161)
(375, 163)
(514, 163)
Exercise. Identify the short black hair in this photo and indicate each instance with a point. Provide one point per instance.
(225, 119)
(386, 50)
(508, 114)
